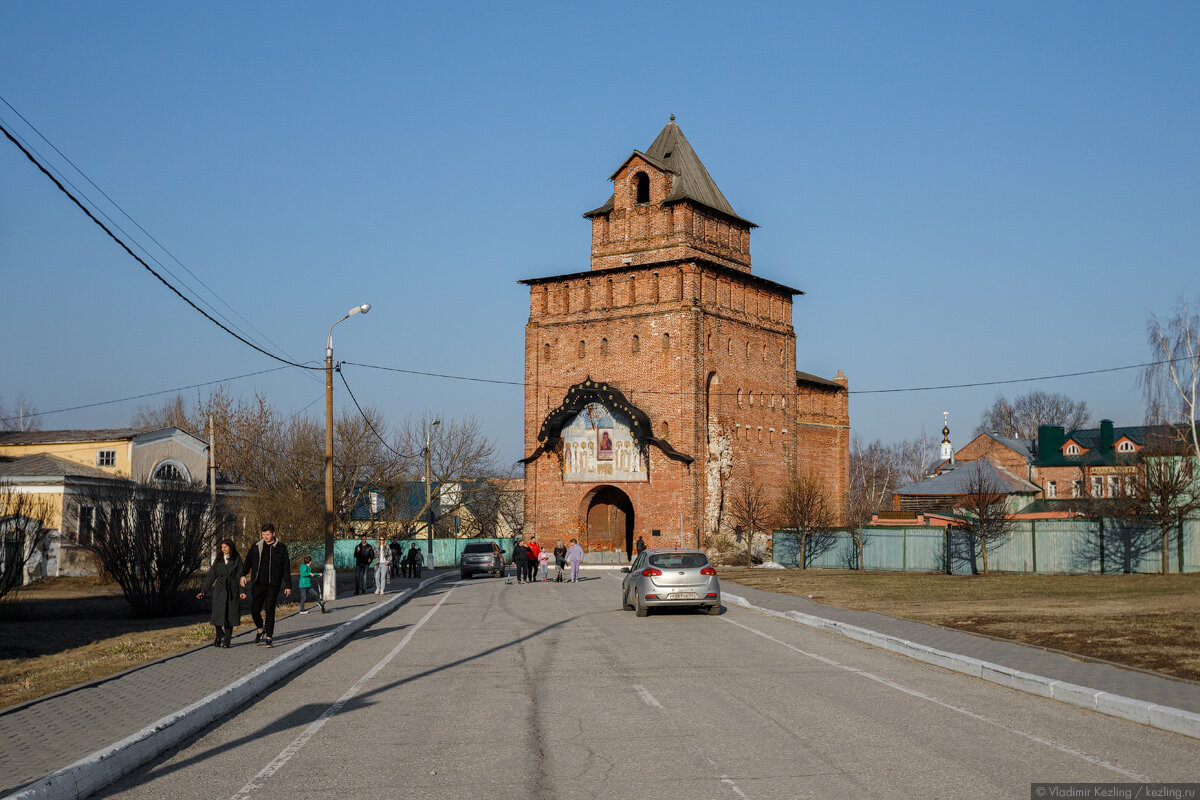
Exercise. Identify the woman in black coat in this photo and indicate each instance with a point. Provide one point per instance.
(222, 580)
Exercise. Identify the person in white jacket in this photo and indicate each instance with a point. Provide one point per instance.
(381, 567)
(574, 558)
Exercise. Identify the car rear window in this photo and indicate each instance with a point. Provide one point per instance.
(678, 560)
(478, 547)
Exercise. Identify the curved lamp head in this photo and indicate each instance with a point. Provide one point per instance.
(364, 308)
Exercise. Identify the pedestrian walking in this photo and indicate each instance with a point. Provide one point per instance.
(307, 587)
(560, 561)
(267, 568)
(364, 554)
(381, 567)
(640, 546)
(416, 561)
(574, 558)
(520, 559)
(531, 565)
(396, 552)
(543, 565)
(222, 581)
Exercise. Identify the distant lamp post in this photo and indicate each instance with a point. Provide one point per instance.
(429, 490)
(330, 577)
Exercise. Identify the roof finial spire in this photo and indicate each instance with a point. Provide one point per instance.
(672, 118)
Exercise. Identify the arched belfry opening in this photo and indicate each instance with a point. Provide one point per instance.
(609, 514)
(642, 186)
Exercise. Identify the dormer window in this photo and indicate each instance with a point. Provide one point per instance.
(1072, 450)
(642, 185)
(1126, 447)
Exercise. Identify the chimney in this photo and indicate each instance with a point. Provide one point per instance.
(1106, 436)
(1050, 441)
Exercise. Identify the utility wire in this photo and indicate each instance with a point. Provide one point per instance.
(149, 394)
(139, 226)
(367, 419)
(141, 261)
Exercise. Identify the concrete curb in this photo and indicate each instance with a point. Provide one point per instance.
(1165, 718)
(104, 767)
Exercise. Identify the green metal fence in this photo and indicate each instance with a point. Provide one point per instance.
(1053, 546)
(445, 551)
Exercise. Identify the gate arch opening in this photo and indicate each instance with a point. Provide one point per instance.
(609, 515)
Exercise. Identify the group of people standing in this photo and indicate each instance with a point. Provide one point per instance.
(532, 563)
(388, 560)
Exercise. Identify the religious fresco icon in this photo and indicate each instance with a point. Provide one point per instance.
(596, 446)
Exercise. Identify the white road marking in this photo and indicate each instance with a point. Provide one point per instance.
(914, 693)
(652, 701)
(277, 764)
(647, 698)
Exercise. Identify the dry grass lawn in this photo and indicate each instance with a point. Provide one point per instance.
(1146, 621)
(65, 631)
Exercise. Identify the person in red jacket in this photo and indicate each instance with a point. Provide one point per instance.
(534, 552)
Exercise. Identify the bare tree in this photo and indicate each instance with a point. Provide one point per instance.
(806, 512)
(1021, 418)
(987, 519)
(1172, 383)
(25, 521)
(751, 510)
(874, 476)
(1165, 490)
(916, 458)
(152, 538)
(21, 415)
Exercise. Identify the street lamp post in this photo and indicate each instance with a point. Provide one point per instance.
(330, 577)
(429, 491)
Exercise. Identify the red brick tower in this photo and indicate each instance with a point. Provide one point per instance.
(667, 371)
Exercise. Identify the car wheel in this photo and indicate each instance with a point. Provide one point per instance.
(642, 610)
(714, 610)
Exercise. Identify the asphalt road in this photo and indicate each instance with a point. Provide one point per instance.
(486, 689)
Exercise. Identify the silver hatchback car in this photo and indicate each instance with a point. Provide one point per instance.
(670, 578)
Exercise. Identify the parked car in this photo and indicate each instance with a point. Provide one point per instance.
(664, 577)
(481, 557)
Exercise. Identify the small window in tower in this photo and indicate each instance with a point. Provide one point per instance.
(582, 349)
(637, 344)
(764, 352)
(666, 429)
(747, 349)
(546, 352)
(603, 347)
(708, 342)
(739, 398)
(752, 398)
(642, 181)
(666, 342)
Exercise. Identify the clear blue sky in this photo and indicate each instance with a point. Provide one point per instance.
(966, 191)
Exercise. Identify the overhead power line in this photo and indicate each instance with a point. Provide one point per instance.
(142, 261)
(367, 419)
(148, 394)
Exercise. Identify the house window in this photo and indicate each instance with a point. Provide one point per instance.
(637, 344)
(106, 458)
(1097, 486)
(1125, 447)
(1072, 450)
(642, 182)
(1130, 485)
(377, 502)
(167, 472)
(1077, 488)
(87, 522)
(1052, 489)
(1114, 485)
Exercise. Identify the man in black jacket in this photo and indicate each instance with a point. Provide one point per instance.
(270, 567)
(364, 554)
(520, 559)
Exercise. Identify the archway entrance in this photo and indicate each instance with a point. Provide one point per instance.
(610, 521)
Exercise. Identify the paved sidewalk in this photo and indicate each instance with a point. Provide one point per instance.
(1144, 686)
(41, 737)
